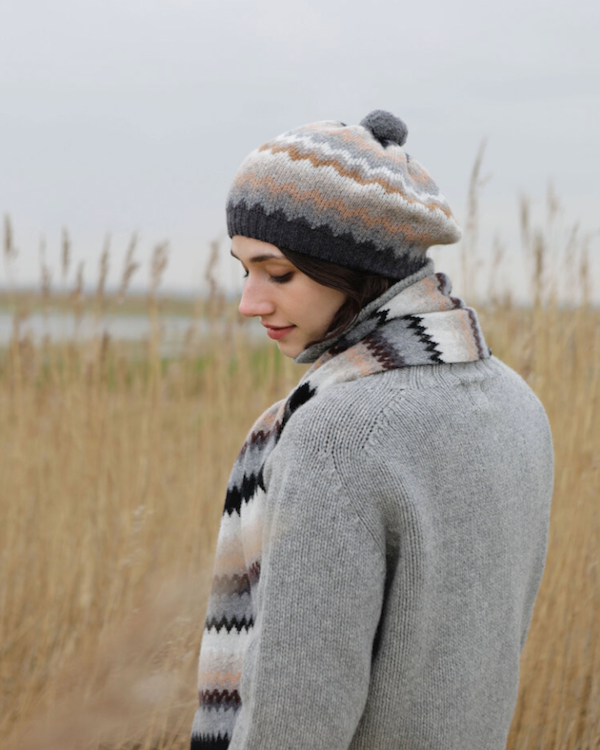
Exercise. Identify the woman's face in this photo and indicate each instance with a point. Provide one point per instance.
(283, 297)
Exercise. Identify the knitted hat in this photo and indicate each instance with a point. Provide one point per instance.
(348, 194)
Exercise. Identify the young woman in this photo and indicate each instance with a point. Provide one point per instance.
(385, 526)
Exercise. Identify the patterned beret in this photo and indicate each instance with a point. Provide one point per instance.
(349, 194)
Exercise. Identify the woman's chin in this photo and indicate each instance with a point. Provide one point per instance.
(289, 348)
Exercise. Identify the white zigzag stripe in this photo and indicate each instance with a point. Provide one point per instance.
(222, 647)
(410, 302)
(394, 177)
(450, 339)
(264, 163)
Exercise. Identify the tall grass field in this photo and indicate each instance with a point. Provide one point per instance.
(114, 461)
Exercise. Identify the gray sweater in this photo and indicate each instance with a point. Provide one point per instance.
(405, 534)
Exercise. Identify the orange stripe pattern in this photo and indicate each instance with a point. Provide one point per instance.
(341, 193)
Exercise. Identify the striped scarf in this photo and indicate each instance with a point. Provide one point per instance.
(421, 325)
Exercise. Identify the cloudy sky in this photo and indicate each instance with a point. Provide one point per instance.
(125, 115)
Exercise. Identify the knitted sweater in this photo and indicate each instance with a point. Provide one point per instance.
(403, 535)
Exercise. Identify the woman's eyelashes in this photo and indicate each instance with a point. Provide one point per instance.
(276, 279)
(282, 279)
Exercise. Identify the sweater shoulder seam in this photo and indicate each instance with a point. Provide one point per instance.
(368, 449)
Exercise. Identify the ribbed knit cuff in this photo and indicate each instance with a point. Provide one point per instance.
(320, 242)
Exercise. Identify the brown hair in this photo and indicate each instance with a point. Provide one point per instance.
(361, 287)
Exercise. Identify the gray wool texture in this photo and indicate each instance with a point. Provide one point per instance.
(386, 126)
(405, 537)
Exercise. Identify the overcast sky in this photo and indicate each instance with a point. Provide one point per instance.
(123, 115)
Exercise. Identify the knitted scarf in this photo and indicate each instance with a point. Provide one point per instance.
(420, 325)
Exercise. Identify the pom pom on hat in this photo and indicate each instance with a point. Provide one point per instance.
(385, 126)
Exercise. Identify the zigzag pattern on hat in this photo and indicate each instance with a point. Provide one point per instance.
(343, 193)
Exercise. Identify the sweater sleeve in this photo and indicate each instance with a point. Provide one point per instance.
(318, 602)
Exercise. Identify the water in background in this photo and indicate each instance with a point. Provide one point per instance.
(61, 326)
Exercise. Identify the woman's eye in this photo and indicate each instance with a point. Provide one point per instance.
(276, 279)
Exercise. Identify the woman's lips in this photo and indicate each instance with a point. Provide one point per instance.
(279, 333)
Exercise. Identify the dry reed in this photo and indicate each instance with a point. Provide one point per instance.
(112, 480)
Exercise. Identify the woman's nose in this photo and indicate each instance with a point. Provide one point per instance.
(255, 300)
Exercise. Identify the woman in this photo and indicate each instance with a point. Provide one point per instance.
(385, 526)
